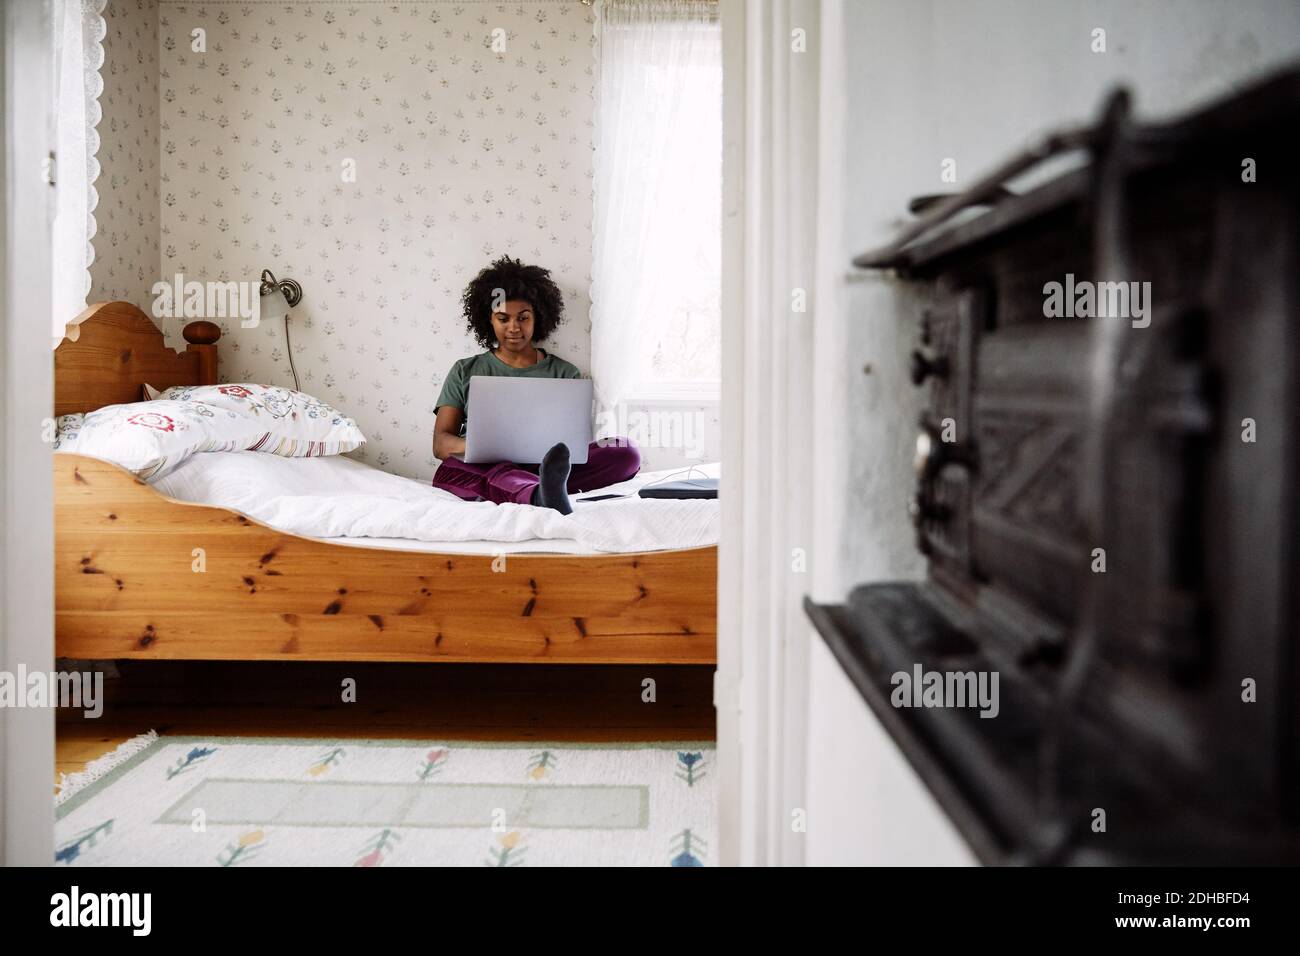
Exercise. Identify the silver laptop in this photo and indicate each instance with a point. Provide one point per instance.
(520, 419)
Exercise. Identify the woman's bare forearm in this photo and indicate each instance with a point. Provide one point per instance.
(446, 444)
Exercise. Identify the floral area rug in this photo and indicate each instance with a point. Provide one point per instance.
(252, 801)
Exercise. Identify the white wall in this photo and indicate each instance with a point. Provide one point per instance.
(26, 393)
(917, 83)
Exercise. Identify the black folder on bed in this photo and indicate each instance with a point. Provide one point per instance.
(686, 488)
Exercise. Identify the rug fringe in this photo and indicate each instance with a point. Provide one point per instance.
(72, 783)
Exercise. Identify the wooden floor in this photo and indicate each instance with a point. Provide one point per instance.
(593, 703)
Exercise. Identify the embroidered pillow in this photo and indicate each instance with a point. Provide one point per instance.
(152, 438)
(67, 428)
(294, 424)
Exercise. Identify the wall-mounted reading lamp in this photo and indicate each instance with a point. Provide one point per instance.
(276, 298)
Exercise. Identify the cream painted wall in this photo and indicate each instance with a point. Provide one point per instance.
(920, 82)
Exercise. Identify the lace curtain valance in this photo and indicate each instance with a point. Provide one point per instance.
(79, 53)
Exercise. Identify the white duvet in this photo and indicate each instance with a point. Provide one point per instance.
(337, 497)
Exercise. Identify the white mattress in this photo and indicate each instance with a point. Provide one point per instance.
(344, 501)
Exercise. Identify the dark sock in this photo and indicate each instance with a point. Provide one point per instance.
(552, 491)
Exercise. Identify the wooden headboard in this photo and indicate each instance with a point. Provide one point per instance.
(113, 348)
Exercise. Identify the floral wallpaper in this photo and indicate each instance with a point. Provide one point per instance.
(126, 219)
(380, 154)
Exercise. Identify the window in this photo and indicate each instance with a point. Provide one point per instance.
(686, 337)
(656, 290)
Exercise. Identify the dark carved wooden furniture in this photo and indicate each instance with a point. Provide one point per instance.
(1108, 505)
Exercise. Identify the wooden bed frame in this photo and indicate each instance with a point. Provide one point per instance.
(125, 559)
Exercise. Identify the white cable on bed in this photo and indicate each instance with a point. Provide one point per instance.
(661, 481)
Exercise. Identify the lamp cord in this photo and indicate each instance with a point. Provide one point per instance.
(289, 347)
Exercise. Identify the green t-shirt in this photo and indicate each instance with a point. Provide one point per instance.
(455, 390)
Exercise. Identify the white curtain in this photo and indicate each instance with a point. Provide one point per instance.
(79, 54)
(658, 158)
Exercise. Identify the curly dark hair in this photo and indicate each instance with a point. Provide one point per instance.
(532, 284)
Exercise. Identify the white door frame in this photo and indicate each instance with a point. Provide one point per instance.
(770, 132)
(26, 400)
(770, 202)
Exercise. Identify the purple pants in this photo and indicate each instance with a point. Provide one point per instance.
(607, 464)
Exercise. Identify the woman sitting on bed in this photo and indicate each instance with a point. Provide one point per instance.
(510, 306)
